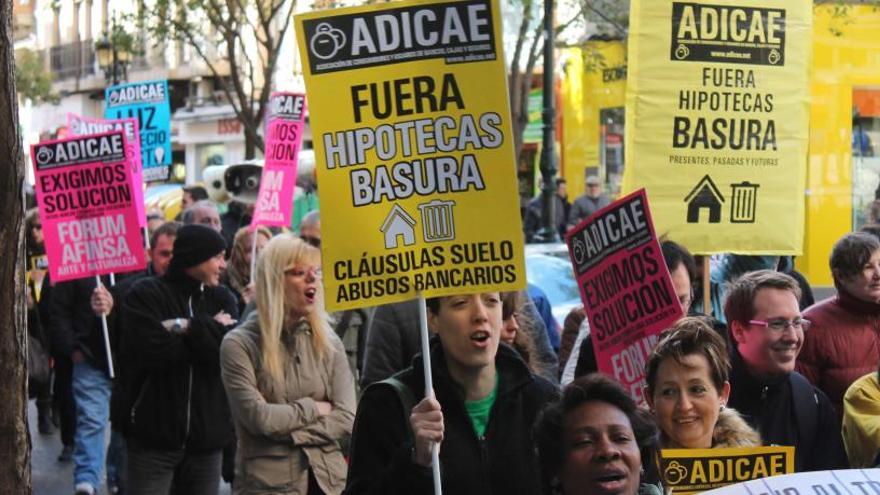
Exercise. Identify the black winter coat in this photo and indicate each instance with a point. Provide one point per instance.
(174, 394)
(120, 293)
(503, 462)
(769, 406)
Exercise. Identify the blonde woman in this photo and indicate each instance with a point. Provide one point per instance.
(238, 271)
(287, 379)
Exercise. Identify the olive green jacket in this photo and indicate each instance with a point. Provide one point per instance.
(281, 438)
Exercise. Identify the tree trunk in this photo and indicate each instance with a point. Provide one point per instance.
(15, 446)
(250, 146)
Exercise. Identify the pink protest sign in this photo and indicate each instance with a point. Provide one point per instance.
(283, 138)
(625, 287)
(87, 209)
(80, 126)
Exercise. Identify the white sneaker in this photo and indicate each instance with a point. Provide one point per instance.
(84, 489)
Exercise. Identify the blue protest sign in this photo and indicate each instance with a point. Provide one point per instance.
(147, 101)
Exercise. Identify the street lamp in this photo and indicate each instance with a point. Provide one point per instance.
(112, 58)
(548, 232)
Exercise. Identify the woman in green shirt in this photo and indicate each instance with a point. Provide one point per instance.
(486, 402)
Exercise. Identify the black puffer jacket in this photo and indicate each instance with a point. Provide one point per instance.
(502, 462)
(174, 395)
(771, 406)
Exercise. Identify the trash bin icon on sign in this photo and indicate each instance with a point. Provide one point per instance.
(744, 201)
(437, 221)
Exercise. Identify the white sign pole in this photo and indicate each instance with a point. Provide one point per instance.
(106, 334)
(253, 252)
(429, 387)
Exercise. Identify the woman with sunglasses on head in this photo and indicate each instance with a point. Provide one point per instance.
(688, 386)
(287, 379)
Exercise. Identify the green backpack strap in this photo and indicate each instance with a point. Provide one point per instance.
(407, 401)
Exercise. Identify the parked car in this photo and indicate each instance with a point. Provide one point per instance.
(549, 267)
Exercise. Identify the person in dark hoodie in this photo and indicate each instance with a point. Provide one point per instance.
(177, 416)
(486, 401)
(766, 335)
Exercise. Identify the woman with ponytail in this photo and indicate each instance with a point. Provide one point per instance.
(287, 379)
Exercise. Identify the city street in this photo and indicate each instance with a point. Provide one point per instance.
(49, 476)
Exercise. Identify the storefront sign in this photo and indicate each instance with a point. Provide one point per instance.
(411, 123)
(228, 126)
(625, 287)
(81, 126)
(283, 139)
(148, 102)
(717, 121)
(687, 471)
(86, 202)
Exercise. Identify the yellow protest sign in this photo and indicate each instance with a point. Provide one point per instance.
(687, 471)
(414, 151)
(717, 121)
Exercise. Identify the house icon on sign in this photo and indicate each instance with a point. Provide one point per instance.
(398, 223)
(704, 195)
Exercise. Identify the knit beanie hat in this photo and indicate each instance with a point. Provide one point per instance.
(196, 244)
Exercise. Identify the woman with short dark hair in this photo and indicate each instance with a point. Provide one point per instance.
(515, 328)
(843, 343)
(688, 387)
(593, 441)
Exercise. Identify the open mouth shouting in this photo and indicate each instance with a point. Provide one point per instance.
(311, 294)
(611, 481)
(481, 338)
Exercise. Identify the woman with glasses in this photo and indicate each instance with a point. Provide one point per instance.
(844, 343)
(516, 328)
(287, 379)
(688, 387)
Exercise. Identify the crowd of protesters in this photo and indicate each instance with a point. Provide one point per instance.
(228, 368)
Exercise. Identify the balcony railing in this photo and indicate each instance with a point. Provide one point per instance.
(75, 59)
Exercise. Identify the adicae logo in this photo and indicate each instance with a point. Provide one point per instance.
(327, 41)
(44, 155)
(580, 251)
(114, 97)
(675, 473)
(682, 52)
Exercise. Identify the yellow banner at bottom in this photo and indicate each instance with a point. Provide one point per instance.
(686, 471)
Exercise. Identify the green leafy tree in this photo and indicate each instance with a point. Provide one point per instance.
(34, 83)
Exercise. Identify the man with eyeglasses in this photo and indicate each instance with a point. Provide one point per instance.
(766, 332)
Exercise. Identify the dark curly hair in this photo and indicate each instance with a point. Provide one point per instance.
(595, 387)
